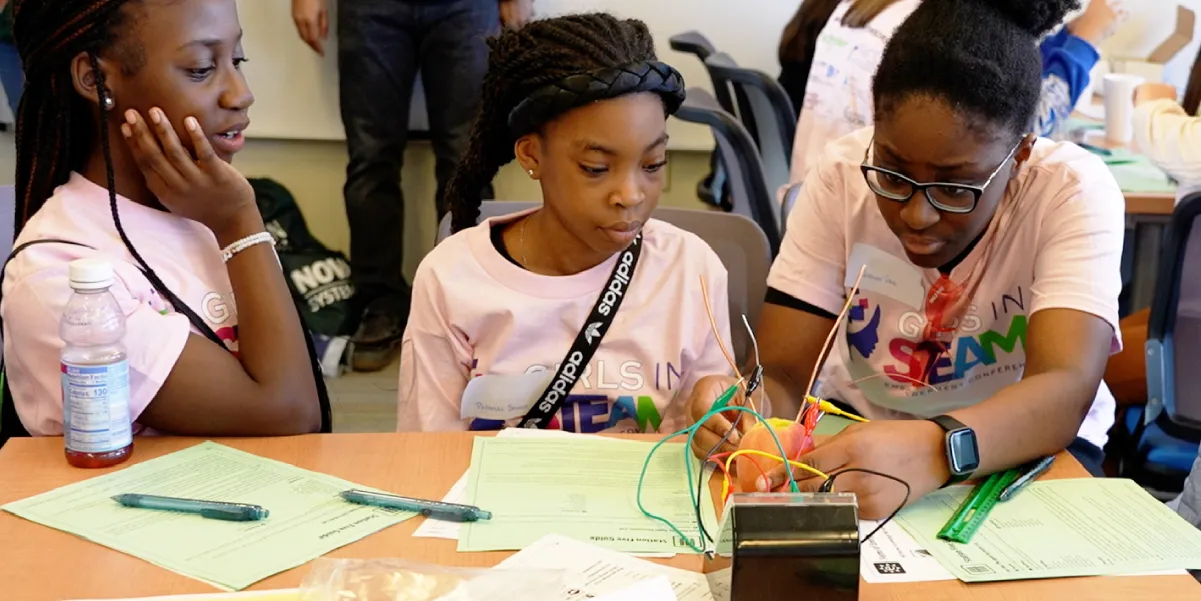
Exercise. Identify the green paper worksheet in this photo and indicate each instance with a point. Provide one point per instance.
(307, 517)
(582, 489)
(1058, 529)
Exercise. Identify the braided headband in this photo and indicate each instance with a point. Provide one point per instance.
(580, 89)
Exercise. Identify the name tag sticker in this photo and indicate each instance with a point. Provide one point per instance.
(503, 396)
(886, 274)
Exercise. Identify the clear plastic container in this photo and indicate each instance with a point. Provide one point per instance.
(97, 431)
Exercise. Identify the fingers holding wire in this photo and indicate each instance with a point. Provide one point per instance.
(716, 435)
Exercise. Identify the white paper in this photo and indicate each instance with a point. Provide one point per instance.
(592, 571)
(892, 556)
(458, 492)
(720, 583)
(655, 589)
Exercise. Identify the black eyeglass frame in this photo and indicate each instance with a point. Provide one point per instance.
(915, 187)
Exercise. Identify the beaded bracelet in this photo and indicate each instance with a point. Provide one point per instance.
(245, 243)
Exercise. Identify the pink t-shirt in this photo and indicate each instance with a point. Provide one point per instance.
(36, 288)
(485, 336)
(1056, 242)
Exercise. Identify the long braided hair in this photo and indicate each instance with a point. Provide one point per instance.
(522, 62)
(56, 127)
(53, 129)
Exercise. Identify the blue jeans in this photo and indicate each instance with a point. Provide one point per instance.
(11, 76)
(382, 46)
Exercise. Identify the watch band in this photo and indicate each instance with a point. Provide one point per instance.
(950, 424)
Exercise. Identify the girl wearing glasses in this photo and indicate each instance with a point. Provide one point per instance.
(988, 305)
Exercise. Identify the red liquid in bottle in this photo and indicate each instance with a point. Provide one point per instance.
(99, 460)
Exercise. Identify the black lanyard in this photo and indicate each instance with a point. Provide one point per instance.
(587, 341)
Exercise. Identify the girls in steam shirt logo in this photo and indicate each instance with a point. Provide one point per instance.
(973, 346)
(608, 396)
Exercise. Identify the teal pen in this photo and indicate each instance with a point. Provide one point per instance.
(213, 510)
(1026, 478)
(446, 512)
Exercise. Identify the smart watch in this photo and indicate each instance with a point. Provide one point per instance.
(963, 455)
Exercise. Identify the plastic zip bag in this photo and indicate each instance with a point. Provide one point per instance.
(399, 580)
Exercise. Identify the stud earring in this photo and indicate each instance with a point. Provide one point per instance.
(109, 104)
(531, 172)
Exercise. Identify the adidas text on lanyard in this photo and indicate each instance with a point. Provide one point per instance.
(587, 341)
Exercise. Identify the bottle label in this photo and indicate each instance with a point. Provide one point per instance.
(96, 407)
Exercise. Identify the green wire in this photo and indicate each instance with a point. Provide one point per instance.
(691, 432)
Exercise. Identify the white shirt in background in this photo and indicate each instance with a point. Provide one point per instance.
(1171, 138)
(838, 95)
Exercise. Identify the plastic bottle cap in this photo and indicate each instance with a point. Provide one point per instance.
(91, 274)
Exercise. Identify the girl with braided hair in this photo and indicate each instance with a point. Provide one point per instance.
(581, 103)
(132, 111)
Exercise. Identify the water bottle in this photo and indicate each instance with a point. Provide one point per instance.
(96, 426)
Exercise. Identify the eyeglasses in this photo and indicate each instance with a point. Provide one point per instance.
(946, 197)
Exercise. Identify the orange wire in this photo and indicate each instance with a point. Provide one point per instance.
(720, 343)
(903, 377)
(716, 334)
(826, 348)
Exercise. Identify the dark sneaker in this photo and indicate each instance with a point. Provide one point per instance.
(374, 358)
(377, 341)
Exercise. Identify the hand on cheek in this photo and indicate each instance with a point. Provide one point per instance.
(910, 450)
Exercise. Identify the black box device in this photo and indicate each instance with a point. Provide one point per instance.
(788, 546)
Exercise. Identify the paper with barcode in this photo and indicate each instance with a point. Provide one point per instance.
(892, 556)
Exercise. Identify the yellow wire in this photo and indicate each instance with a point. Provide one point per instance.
(725, 484)
(829, 407)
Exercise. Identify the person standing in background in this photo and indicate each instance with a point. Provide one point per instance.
(11, 76)
(797, 45)
(838, 94)
(382, 44)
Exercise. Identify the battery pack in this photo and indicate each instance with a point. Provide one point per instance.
(788, 546)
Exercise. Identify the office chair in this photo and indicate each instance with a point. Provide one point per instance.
(714, 188)
(692, 42)
(748, 186)
(1161, 440)
(739, 243)
(764, 109)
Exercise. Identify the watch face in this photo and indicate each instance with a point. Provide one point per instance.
(962, 453)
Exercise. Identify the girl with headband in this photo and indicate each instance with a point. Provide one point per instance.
(584, 314)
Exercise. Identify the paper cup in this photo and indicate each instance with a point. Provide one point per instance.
(1119, 107)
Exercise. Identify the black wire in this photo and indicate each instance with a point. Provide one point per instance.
(828, 486)
(700, 478)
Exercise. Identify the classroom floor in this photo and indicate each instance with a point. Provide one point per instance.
(365, 402)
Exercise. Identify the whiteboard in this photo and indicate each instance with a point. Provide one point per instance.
(296, 91)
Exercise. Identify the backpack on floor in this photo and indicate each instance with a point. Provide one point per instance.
(318, 277)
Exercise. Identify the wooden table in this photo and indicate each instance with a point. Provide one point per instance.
(1149, 203)
(42, 564)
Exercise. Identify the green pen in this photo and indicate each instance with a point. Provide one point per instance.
(214, 510)
(446, 512)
